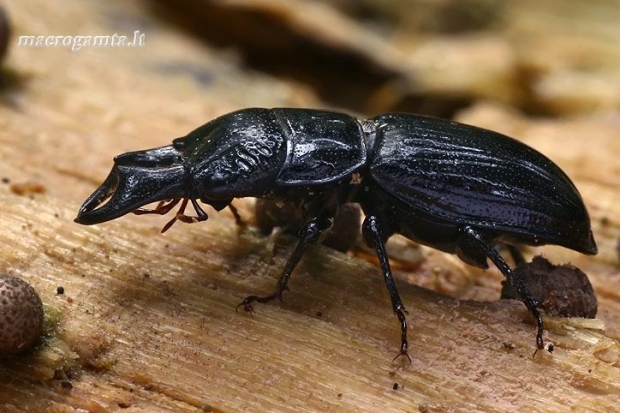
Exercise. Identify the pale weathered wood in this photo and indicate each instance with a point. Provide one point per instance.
(148, 323)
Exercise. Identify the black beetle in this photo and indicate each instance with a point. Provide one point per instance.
(453, 187)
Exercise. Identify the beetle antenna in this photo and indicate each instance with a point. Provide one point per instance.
(162, 208)
(179, 216)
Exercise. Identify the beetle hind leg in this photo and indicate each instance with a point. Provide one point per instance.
(374, 236)
(473, 237)
(516, 254)
(309, 234)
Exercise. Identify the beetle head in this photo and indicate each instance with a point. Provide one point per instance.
(137, 179)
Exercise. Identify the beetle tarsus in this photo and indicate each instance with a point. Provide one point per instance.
(526, 296)
(403, 353)
(309, 234)
(375, 236)
(247, 302)
(404, 344)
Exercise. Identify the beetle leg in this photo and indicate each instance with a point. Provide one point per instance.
(526, 296)
(162, 208)
(374, 238)
(238, 220)
(516, 254)
(309, 234)
(201, 215)
(188, 219)
(176, 217)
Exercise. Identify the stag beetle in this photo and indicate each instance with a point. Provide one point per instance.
(456, 188)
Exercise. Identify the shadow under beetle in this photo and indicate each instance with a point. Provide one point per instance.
(453, 187)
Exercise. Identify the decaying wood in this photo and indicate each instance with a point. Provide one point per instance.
(147, 322)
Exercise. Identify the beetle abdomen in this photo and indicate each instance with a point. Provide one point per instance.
(449, 172)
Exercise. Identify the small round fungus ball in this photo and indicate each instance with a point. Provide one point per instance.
(21, 314)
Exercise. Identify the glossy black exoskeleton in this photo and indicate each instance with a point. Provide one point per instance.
(453, 187)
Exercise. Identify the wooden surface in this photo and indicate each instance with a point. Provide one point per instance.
(148, 323)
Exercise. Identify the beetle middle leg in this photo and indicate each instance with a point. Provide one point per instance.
(374, 237)
(309, 234)
(475, 238)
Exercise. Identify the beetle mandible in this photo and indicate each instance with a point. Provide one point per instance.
(456, 188)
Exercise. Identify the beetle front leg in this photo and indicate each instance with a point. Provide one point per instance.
(309, 234)
(373, 235)
(528, 299)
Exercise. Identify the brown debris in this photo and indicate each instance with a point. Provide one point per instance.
(561, 290)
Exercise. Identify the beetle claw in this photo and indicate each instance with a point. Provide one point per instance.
(247, 307)
(401, 354)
